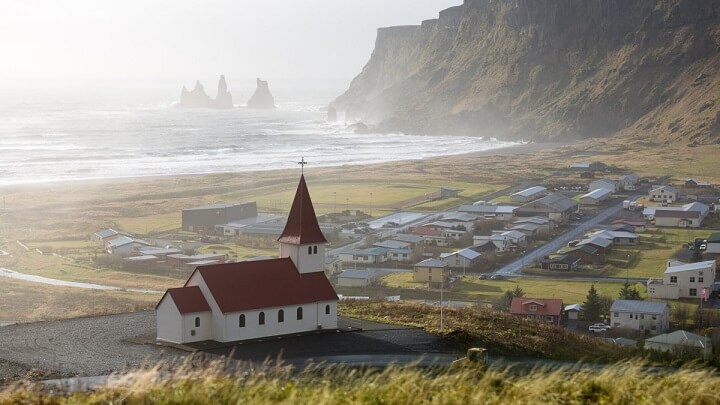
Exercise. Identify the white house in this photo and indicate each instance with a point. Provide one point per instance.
(396, 250)
(644, 317)
(617, 237)
(713, 243)
(502, 243)
(689, 215)
(683, 280)
(372, 255)
(499, 212)
(663, 194)
(529, 194)
(596, 196)
(516, 237)
(603, 183)
(464, 258)
(573, 311)
(124, 245)
(255, 299)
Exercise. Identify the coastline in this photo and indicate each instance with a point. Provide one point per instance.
(511, 150)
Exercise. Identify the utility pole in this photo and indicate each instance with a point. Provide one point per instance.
(442, 282)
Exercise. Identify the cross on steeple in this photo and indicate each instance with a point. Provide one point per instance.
(302, 164)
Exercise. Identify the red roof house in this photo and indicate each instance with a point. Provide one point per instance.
(543, 309)
(255, 299)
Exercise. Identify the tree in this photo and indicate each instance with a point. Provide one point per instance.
(518, 292)
(696, 255)
(508, 296)
(628, 292)
(681, 313)
(592, 305)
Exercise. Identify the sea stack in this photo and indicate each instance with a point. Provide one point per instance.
(332, 114)
(262, 99)
(197, 98)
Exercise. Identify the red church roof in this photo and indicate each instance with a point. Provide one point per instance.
(264, 284)
(187, 299)
(302, 226)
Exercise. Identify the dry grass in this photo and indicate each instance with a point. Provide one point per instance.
(196, 383)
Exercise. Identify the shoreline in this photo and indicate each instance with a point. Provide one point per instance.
(501, 151)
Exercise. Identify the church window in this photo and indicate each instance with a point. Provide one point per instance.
(309, 250)
(327, 309)
(299, 313)
(197, 321)
(281, 316)
(314, 250)
(241, 321)
(261, 318)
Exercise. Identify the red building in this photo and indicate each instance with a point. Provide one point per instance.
(543, 309)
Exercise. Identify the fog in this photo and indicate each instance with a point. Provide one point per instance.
(47, 40)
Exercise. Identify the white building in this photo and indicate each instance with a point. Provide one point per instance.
(529, 194)
(372, 255)
(464, 258)
(499, 212)
(124, 245)
(254, 299)
(683, 280)
(681, 342)
(663, 194)
(596, 196)
(644, 317)
(689, 215)
(502, 243)
(629, 181)
(617, 237)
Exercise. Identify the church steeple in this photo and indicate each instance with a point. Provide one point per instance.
(302, 227)
(302, 240)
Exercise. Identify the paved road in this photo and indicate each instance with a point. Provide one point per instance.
(514, 268)
(63, 283)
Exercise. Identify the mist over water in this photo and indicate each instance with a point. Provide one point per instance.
(118, 131)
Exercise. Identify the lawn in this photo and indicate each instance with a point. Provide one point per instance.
(150, 224)
(237, 251)
(471, 288)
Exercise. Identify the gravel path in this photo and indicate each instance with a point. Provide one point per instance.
(63, 283)
(101, 345)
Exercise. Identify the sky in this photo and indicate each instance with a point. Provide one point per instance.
(180, 39)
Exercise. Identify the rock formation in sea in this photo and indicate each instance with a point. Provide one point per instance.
(332, 114)
(548, 70)
(261, 99)
(197, 98)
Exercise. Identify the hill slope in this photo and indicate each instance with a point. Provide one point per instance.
(548, 70)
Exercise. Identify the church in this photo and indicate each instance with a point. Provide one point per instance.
(255, 299)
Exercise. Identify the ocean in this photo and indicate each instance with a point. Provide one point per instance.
(60, 133)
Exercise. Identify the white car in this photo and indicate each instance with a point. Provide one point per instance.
(598, 327)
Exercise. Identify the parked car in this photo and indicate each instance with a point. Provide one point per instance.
(598, 327)
(483, 277)
(497, 277)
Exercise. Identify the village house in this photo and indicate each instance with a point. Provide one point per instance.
(527, 195)
(713, 243)
(555, 206)
(502, 243)
(333, 264)
(372, 255)
(681, 342)
(396, 250)
(561, 263)
(413, 240)
(543, 309)
(516, 237)
(430, 235)
(255, 299)
(607, 184)
(530, 230)
(105, 235)
(588, 254)
(629, 181)
(683, 280)
(694, 183)
(460, 219)
(192, 261)
(448, 229)
(124, 246)
(543, 223)
(689, 215)
(617, 237)
(499, 212)
(431, 271)
(461, 259)
(642, 317)
(572, 311)
(595, 197)
(355, 278)
(666, 194)
(603, 245)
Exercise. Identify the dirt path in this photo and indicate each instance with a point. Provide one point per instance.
(62, 283)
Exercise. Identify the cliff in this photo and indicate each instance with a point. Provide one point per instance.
(548, 70)
(262, 98)
(197, 98)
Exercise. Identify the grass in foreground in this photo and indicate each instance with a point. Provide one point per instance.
(625, 383)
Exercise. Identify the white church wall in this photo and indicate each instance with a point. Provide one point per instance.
(218, 319)
(194, 333)
(328, 320)
(169, 321)
(252, 330)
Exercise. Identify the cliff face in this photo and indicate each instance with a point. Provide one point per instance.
(548, 70)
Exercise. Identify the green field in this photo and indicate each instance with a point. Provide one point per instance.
(474, 289)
